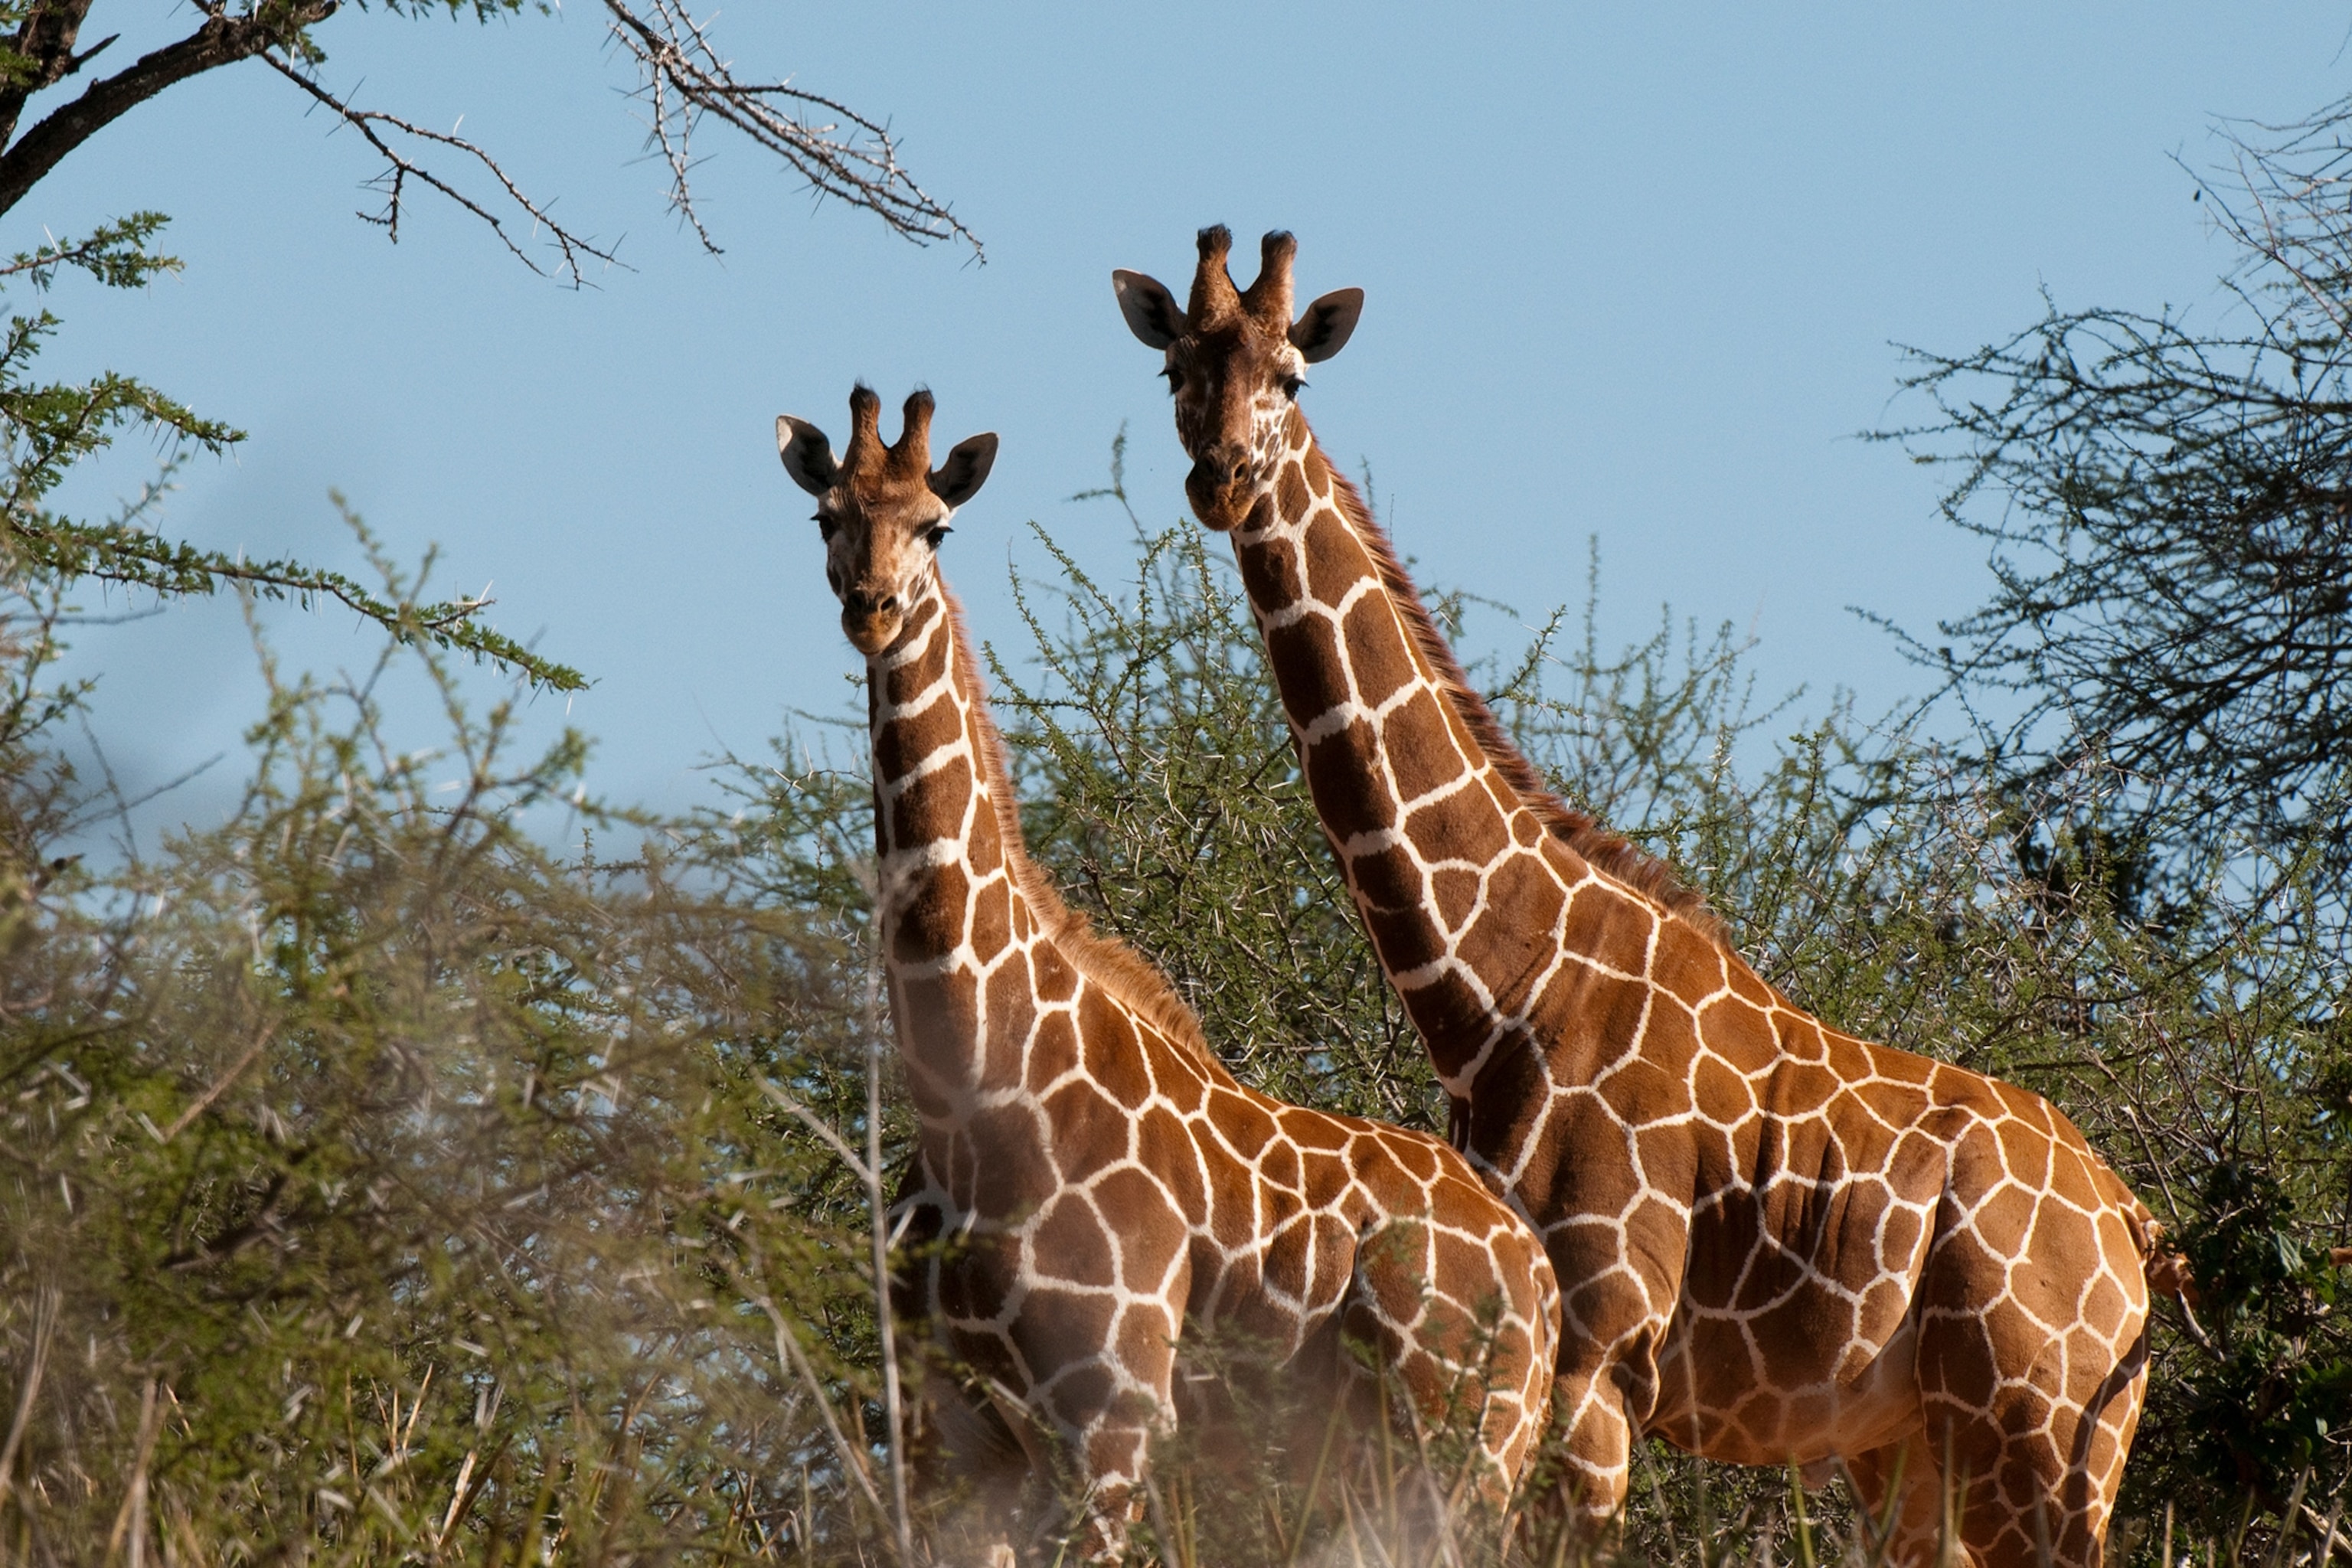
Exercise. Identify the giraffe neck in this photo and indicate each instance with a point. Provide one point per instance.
(1461, 862)
(970, 927)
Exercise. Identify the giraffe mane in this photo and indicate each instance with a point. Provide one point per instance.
(1108, 961)
(1604, 848)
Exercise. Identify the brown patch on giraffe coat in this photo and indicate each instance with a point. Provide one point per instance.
(1016, 1176)
(1112, 1049)
(1288, 1262)
(1280, 1163)
(1417, 1157)
(1331, 762)
(1146, 1341)
(1308, 644)
(1162, 1144)
(1387, 878)
(1070, 1235)
(2071, 1179)
(1687, 966)
(2058, 1231)
(928, 803)
(1269, 573)
(1800, 1091)
(906, 741)
(1414, 740)
(1183, 1081)
(1053, 1050)
(992, 921)
(1335, 559)
(1090, 1130)
(1151, 1231)
(1441, 1007)
(2105, 1309)
(918, 675)
(1057, 976)
(1595, 929)
(935, 922)
(1012, 1018)
(1290, 488)
(935, 1011)
(1246, 1126)
(1376, 656)
(1718, 1093)
(1455, 891)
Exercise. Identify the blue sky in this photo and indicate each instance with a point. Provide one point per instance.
(1633, 274)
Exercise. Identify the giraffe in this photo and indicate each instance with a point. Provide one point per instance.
(1090, 1179)
(1777, 1243)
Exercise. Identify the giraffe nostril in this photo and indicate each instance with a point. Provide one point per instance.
(886, 604)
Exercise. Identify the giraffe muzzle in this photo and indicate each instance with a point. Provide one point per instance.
(872, 622)
(1220, 490)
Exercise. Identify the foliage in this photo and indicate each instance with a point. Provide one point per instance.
(2170, 508)
(381, 1184)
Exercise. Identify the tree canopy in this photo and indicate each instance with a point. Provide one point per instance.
(2170, 507)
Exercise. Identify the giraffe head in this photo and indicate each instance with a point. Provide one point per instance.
(882, 511)
(1235, 363)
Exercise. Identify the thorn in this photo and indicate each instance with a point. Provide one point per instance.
(75, 62)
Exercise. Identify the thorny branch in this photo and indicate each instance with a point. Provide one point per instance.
(682, 78)
(400, 169)
(846, 156)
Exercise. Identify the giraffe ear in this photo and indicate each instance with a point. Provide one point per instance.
(807, 455)
(1324, 329)
(958, 479)
(1150, 310)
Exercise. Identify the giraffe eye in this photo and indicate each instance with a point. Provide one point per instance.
(1292, 386)
(937, 532)
(826, 527)
(1175, 379)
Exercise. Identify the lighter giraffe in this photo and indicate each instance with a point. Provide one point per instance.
(1777, 1243)
(1091, 1181)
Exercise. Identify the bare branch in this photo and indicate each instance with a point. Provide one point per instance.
(222, 39)
(371, 124)
(44, 54)
(841, 153)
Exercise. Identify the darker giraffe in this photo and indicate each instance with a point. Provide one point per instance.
(1775, 1243)
(1089, 1178)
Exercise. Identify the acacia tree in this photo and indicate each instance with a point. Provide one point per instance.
(2170, 508)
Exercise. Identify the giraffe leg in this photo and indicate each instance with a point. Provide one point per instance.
(1597, 1441)
(2032, 1378)
(2038, 1464)
(971, 1476)
(1903, 1487)
(1469, 1360)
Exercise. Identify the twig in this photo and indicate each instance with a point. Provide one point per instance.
(131, 1521)
(394, 182)
(2331, 1542)
(788, 1348)
(45, 1326)
(878, 1205)
(180, 1122)
(849, 157)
